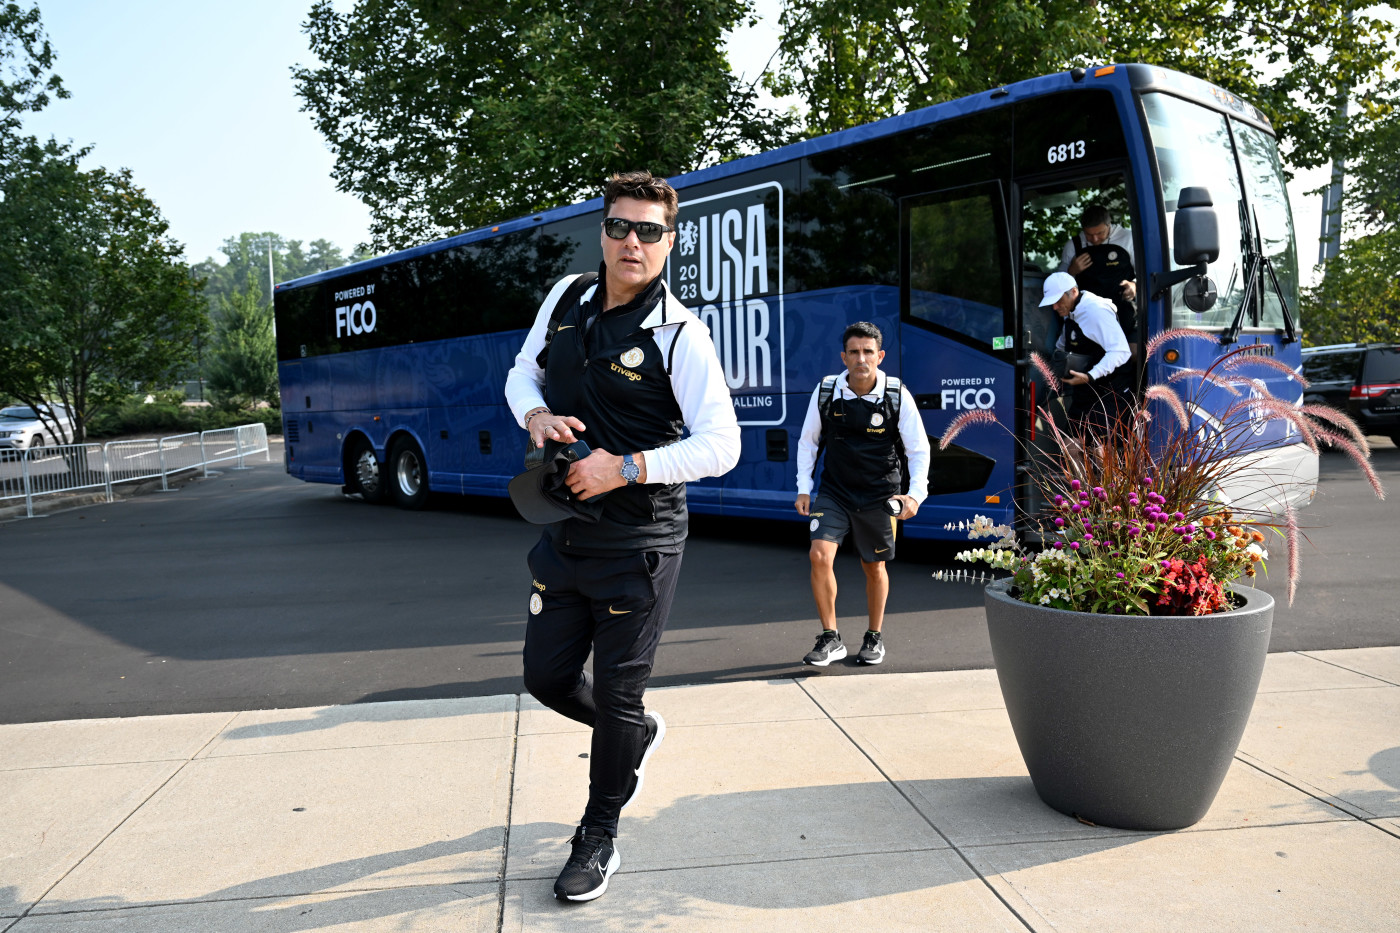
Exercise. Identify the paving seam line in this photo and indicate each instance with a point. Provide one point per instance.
(510, 805)
(1351, 810)
(899, 790)
(122, 822)
(1312, 656)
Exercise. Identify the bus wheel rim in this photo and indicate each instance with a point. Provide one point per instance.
(410, 474)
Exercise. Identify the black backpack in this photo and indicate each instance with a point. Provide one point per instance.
(893, 397)
(566, 301)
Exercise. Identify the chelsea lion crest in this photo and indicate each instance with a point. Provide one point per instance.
(536, 604)
(633, 357)
(876, 420)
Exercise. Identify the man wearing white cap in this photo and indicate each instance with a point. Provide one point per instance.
(1092, 334)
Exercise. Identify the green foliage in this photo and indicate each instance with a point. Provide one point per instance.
(1359, 295)
(853, 62)
(245, 265)
(242, 368)
(446, 116)
(27, 83)
(94, 297)
(163, 418)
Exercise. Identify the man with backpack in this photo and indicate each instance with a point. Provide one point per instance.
(617, 361)
(869, 427)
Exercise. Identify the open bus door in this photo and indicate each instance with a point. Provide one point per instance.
(1051, 208)
(958, 345)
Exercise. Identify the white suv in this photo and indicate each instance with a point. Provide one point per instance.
(21, 429)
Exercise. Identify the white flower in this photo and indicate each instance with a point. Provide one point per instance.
(1256, 551)
(1045, 600)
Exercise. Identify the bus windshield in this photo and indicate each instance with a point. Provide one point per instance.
(1273, 220)
(1193, 150)
(1197, 147)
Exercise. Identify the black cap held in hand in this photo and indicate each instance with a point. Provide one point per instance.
(541, 495)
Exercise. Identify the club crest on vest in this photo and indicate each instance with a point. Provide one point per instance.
(633, 357)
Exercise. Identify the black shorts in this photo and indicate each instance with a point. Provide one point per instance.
(872, 530)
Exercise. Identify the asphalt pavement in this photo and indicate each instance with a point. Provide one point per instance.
(252, 590)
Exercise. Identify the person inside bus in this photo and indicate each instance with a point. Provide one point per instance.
(867, 422)
(1097, 350)
(629, 370)
(1100, 257)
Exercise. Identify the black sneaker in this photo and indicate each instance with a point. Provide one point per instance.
(828, 649)
(586, 873)
(872, 650)
(656, 731)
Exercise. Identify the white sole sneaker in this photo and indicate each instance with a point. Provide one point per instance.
(613, 864)
(881, 658)
(641, 771)
(836, 654)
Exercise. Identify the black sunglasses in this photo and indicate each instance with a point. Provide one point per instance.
(647, 232)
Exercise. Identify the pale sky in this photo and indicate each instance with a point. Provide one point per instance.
(197, 100)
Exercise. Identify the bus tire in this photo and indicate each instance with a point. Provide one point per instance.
(362, 471)
(408, 474)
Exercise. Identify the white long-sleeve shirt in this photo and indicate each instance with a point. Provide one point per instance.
(911, 432)
(697, 381)
(1098, 319)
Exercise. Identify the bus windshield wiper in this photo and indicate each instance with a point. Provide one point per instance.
(1256, 264)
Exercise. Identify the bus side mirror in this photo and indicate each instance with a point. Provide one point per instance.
(1195, 231)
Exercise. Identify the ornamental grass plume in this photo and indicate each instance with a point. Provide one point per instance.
(1137, 522)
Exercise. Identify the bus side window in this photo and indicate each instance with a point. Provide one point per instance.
(958, 262)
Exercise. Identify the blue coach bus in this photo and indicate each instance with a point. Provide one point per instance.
(939, 225)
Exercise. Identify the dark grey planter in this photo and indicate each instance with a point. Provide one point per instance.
(1128, 721)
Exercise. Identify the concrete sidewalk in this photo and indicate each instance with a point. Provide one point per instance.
(868, 803)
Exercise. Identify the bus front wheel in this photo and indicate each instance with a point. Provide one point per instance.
(364, 472)
(408, 474)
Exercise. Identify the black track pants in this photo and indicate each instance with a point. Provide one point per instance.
(617, 608)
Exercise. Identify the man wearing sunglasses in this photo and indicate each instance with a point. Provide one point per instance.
(629, 370)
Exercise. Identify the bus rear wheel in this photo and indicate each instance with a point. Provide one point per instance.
(363, 471)
(408, 474)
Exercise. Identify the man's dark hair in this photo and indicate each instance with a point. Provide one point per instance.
(644, 186)
(863, 329)
(1095, 215)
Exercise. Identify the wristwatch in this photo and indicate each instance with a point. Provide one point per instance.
(630, 470)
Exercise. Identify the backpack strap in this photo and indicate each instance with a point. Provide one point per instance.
(569, 299)
(893, 396)
(828, 389)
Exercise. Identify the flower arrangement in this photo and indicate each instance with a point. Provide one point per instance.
(1134, 521)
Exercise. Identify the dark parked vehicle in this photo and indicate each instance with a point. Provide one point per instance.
(1362, 379)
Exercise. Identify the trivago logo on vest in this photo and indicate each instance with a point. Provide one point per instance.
(728, 268)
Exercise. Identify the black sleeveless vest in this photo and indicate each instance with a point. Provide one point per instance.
(861, 468)
(607, 371)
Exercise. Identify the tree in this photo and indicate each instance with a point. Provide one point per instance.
(445, 116)
(243, 364)
(245, 265)
(28, 57)
(94, 297)
(1358, 297)
(853, 62)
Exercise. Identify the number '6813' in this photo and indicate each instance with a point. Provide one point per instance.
(1066, 151)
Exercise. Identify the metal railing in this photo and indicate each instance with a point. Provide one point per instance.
(43, 471)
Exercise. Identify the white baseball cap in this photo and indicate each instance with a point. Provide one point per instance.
(1055, 287)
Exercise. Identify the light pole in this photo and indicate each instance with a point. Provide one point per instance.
(271, 242)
